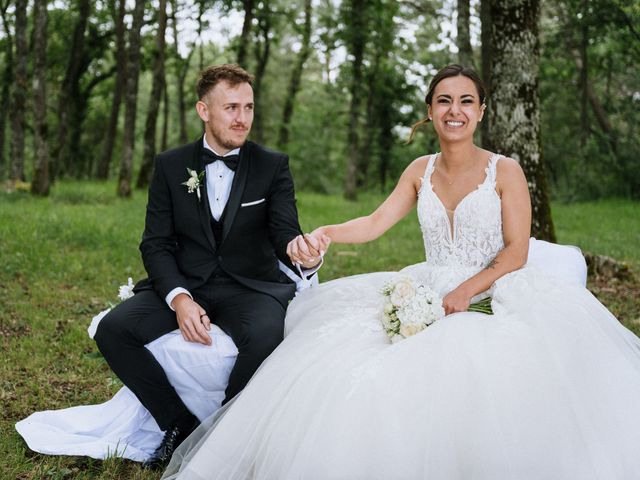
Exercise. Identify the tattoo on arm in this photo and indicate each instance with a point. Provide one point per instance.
(492, 264)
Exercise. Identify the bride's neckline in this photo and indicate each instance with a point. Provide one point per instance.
(450, 214)
(432, 165)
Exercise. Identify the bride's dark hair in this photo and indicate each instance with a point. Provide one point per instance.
(452, 70)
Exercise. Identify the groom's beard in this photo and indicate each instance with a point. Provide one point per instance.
(231, 137)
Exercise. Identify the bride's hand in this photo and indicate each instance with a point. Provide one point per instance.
(307, 250)
(457, 300)
(318, 240)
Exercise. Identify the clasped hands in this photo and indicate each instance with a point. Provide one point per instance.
(307, 250)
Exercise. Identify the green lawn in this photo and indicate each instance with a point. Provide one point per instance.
(62, 259)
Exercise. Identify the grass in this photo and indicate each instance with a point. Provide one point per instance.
(63, 257)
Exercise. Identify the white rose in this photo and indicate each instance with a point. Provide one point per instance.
(402, 292)
(409, 329)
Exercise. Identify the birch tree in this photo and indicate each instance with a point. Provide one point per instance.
(514, 114)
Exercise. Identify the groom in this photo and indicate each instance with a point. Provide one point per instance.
(221, 212)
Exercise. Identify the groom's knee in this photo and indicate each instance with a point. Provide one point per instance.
(263, 337)
(110, 332)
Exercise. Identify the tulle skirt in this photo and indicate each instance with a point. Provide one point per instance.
(546, 388)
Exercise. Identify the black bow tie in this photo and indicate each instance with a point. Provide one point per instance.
(231, 161)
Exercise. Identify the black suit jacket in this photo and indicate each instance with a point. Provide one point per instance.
(178, 247)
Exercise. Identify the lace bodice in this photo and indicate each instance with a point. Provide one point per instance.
(475, 237)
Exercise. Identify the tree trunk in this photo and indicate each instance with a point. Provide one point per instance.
(356, 44)
(584, 76)
(296, 76)
(463, 40)
(201, 10)
(182, 109)
(385, 142)
(131, 102)
(83, 164)
(246, 32)
(165, 114)
(70, 89)
(121, 72)
(7, 80)
(40, 184)
(181, 70)
(372, 106)
(514, 123)
(144, 177)
(263, 50)
(19, 94)
(485, 38)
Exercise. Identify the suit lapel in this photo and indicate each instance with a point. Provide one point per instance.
(204, 210)
(237, 188)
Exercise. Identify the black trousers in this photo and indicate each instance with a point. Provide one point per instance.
(254, 320)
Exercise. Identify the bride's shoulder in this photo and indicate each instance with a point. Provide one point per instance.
(419, 164)
(508, 167)
(509, 173)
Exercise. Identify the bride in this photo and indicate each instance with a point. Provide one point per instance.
(545, 388)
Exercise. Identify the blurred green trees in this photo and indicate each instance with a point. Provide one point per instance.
(339, 84)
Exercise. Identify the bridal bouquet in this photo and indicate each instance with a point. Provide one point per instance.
(410, 308)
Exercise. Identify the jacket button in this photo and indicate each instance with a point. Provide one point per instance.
(219, 258)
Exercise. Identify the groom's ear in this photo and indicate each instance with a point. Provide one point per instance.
(203, 110)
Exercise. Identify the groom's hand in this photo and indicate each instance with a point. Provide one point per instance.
(318, 240)
(192, 319)
(303, 253)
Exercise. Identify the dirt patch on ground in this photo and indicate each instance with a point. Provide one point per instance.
(13, 328)
(620, 296)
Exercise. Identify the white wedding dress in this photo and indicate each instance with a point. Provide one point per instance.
(547, 388)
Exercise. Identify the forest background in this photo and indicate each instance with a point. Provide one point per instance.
(94, 89)
(90, 91)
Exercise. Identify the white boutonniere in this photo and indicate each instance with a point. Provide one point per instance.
(194, 182)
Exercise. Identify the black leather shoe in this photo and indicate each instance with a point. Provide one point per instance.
(172, 438)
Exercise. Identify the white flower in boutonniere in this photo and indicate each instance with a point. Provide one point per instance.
(194, 182)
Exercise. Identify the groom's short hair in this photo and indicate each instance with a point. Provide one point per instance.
(214, 74)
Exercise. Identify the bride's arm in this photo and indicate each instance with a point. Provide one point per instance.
(391, 211)
(516, 228)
